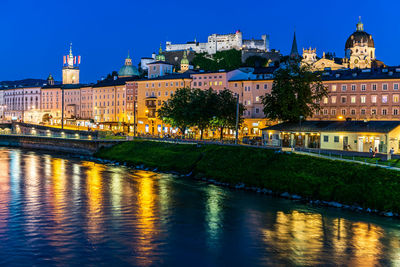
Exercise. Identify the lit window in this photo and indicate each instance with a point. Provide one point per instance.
(333, 99)
(384, 99)
(373, 98)
(325, 100)
(395, 98)
(363, 99)
(334, 88)
(353, 99)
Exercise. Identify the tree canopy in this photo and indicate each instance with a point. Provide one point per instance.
(202, 109)
(227, 60)
(296, 91)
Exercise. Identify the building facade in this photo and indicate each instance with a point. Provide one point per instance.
(368, 94)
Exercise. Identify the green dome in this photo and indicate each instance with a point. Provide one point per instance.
(127, 70)
(184, 59)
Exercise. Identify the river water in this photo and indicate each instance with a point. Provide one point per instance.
(62, 211)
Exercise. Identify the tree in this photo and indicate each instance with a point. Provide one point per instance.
(296, 91)
(203, 108)
(256, 61)
(227, 60)
(225, 117)
(176, 111)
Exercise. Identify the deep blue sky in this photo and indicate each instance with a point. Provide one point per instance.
(36, 34)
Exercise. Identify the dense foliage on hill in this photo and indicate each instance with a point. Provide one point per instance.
(227, 60)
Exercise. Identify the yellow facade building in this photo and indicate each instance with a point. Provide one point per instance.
(151, 94)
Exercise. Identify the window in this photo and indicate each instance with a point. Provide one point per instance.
(396, 86)
(333, 88)
(343, 112)
(384, 111)
(373, 98)
(265, 86)
(374, 87)
(395, 111)
(363, 112)
(194, 84)
(353, 99)
(384, 86)
(353, 87)
(257, 110)
(333, 112)
(336, 139)
(363, 87)
(333, 99)
(325, 100)
(353, 112)
(343, 99)
(257, 98)
(257, 86)
(344, 87)
(395, 98)
(363, 99)
(373, 111)
(325, 112)
(384, 99)
(199, 83)
(326, 138)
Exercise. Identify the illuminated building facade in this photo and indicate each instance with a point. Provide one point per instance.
(150, 96)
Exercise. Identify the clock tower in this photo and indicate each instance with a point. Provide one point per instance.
(70, 70)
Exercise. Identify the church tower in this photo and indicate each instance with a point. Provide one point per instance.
(70, 71)
(309, 56)
(294, 52)
(184, 62)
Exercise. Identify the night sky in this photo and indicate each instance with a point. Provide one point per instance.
(36, 34)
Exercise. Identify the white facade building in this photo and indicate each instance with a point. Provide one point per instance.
(222, 42)
(17, 101)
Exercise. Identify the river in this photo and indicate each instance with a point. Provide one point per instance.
(56, 210)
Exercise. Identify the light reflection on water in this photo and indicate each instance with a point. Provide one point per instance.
(57, 210)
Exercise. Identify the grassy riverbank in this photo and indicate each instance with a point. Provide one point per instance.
(317, 178)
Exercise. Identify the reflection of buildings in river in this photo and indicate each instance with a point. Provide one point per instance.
(214, 215)
(15, 175)
(4, 189)
(32, 201)
(298, 236)
(116, 191)
(366, 244)
(76, 181)
(145, 217)
(94, 198)
(58, 198)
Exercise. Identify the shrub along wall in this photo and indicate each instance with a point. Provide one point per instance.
(322, 179)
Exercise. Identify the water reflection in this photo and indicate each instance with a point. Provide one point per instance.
(57, 210)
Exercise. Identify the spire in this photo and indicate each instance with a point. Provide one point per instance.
(360, 25)
(160, 50)
(128, 60)
(70, 50)
(294, 53)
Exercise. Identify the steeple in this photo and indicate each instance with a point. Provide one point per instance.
(128, 60)
(160, 56)
(294, 53)
(360, 25)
